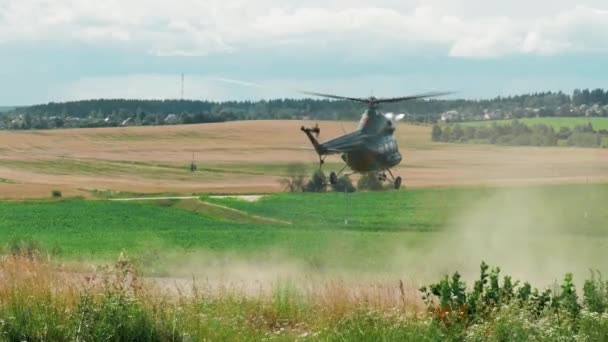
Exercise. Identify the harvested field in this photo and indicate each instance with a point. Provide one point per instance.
(251, 156)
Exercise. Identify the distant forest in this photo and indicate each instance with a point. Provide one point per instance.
(122, 112)
(516, 133)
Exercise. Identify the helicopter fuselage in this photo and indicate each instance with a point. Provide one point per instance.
(380, 154)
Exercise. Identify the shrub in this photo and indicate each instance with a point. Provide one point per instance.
(595, 294)
(56, 194)
(317, 183)
(344, 184)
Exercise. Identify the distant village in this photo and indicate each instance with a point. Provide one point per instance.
(19, 121)
(498, 114)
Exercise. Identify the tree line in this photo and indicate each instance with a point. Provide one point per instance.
(519, 134)
(124, 112)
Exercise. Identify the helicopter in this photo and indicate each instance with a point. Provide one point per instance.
(372, 148)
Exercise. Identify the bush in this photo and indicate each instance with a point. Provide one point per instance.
(344, 184)
(505, 310)
(317, 183)
(56, 194)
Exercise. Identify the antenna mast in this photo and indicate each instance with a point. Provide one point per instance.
(182, 93)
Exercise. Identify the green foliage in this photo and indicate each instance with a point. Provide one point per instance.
(56, 193)
(595, 293)
(518, 134)
(568, 299)
(507, 311)
(372, 325)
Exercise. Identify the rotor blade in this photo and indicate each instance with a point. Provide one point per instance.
(411, 97)
(257, 85)
(238, 82)
(336, 97)
(399, 117)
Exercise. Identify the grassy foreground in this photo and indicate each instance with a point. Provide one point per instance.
(537, 234)
(40, 301)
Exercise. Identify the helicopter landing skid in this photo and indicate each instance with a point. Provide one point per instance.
(396, 181)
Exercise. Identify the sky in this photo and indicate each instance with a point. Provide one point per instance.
(60, 50)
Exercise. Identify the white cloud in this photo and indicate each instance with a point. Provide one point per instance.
(462, 28)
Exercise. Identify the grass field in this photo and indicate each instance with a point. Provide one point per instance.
(555, 122)
(406, 232)
(252, 156)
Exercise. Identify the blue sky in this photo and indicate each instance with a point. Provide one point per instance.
(77, 49)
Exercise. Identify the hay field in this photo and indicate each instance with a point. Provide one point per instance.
(250, 156)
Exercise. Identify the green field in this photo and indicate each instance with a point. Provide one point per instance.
(415, 231)
(555, 122)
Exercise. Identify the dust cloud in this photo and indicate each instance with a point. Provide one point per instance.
(531, 234)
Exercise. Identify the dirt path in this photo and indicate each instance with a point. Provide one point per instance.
(214, 205)
(153, 198)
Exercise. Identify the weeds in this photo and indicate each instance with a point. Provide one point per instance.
(504, 311)
(43, 301)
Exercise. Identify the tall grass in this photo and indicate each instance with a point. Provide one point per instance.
(44, 301)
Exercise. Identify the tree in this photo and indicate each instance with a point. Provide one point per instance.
(436, 133)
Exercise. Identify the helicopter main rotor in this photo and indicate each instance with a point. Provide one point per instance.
(373, 102)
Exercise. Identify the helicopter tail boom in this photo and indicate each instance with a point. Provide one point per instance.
(315, 143)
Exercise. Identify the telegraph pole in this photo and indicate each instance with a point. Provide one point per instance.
(182, 93)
